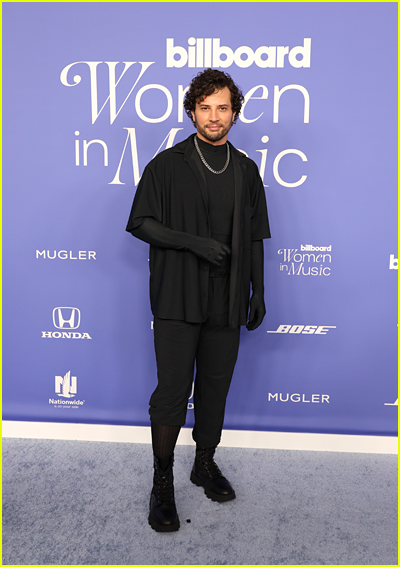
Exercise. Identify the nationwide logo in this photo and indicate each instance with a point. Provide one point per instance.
(303, 329)
(308, 261)
(66, 387)
(393, 262)
(208, 52)
(66, 254)
(66, 319)
(299, 398)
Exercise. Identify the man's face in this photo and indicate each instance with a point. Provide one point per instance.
(213, 117)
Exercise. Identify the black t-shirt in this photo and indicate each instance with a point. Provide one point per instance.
(221, 194)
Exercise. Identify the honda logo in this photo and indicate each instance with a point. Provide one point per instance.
(66, 317)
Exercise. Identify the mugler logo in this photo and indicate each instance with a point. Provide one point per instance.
(66, 254)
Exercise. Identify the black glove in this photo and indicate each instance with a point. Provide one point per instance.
(257, 311)
(204, 247)
(209, 249)
(257, 305)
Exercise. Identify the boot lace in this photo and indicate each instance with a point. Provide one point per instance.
(207, 460)
(164, 486)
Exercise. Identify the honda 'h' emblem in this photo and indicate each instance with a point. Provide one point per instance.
(66, 317)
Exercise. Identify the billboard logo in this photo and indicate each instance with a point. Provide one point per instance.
(208, 52)
(393, 262)
(66, 317)
(66, 386)
(303, 329)
(396, 403)
(311, 248)
(309, 261)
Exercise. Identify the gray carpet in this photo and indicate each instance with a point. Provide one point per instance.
(86, 503)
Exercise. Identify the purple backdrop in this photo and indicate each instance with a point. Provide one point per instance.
(91, 93)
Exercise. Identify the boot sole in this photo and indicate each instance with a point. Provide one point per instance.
(212, 495)
(161, 528)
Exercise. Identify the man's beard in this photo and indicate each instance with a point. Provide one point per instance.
(212, 136)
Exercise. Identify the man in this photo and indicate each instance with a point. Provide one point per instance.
(201, 206)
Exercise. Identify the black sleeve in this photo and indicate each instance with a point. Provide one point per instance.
(148, 201)
(259, 222)
(257, 305)
(257, 266)
(157, 234)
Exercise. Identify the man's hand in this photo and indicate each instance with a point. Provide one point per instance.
(257, 311)
(209, 249)
(157, 234)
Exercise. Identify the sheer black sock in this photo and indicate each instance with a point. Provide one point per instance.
(164, 439)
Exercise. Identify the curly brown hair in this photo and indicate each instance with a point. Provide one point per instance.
(207, 83)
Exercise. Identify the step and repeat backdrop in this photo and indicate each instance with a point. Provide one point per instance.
(92, 91)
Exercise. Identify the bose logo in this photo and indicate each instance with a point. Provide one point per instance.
(207, 52)
(304, 330)
(66, 317)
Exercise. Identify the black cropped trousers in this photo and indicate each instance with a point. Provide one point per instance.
(212, 347)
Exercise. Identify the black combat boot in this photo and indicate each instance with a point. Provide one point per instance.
(163, 516)
(206, 473)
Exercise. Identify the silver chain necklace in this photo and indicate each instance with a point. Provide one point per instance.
(203, 159)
